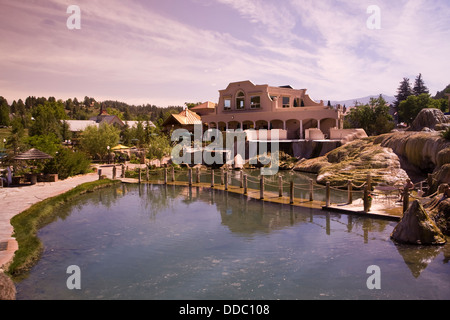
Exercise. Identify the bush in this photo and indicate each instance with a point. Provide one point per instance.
(446, 134)
(67, 163)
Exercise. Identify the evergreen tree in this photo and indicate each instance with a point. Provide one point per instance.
(419, 86)
(4, 112)
(403, 92)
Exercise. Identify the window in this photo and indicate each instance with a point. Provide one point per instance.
(255, 102)
(240, 101)
(296, 102)
(227, 104)
(286, 102)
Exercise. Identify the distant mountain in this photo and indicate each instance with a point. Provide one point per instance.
(364, 100)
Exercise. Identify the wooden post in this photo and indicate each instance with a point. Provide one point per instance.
(350, 192)
(280, 186)
(405, 200)
(311, 198)
(114, 172)
(212, 178)
(140, 177)
(226, 180)
(242, 179)
(165, 175)
(198, 175)
(366, 199)
(328, 194)
(291, 193)
(261, 187)
(147, 174)
(245, 184)
(369, 182)
(190, 176)
(173, 174)
(123, 171)
(221, 177)
(99, 174)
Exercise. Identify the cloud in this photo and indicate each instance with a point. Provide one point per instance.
(131, 51)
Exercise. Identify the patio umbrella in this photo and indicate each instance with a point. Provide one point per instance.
(33, 154)
(120, 147)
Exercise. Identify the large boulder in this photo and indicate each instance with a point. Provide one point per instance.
(440, 213)
(429, 118)
(7, 288)
(355, 161)
(416, 227)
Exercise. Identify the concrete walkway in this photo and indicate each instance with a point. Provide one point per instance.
(18, 199)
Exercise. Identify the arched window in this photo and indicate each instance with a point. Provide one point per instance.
(240, 101)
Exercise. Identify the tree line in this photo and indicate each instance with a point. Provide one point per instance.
(73, 109)
(378, 117)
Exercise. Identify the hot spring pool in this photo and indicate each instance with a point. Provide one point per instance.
(167, 242)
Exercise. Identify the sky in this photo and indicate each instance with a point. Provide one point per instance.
(175, 51)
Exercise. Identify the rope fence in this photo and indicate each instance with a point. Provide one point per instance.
(242, 180)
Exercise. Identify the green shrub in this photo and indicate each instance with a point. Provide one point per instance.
(67, 163)
(446, 134)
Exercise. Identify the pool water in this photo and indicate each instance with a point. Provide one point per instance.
(168, 242)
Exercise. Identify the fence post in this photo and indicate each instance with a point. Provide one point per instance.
(245, 184)
(311, 198)
(190, 176)
(147, 174)
(165, 175)
(114, 172)
(291, 193)
(242, 179)
(280, 186)
(328, 194)
(212, 178)
(198, 175)
(140, 177)
(405, 200)
(123, 171)
(221, 177)
(261, 187)
(173, 174)
(366, 199)
(99, 174)
(350, 192)
(369, 181)
(226, 180)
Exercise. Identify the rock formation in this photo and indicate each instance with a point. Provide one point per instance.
(354, 161)
(7, 288)
(416, 227)
(433, 119)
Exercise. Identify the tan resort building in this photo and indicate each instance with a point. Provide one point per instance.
(244, 105)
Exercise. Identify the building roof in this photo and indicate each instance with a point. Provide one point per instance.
(80, 125)
(133, 124)
(184, 118)
(206, 105)
(33, 154)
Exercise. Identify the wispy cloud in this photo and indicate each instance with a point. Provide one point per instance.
(131, 51)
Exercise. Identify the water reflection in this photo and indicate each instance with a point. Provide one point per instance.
(169, 242)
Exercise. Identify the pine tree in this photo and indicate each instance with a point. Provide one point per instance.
(419, 86)
(403, 92)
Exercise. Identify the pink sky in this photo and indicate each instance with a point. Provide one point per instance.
(174, 51)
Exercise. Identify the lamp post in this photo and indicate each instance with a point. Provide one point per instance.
(108, 147)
